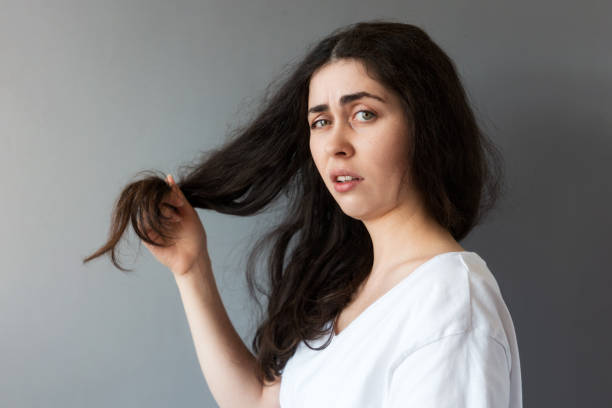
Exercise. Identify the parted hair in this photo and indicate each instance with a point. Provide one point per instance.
(318, 256)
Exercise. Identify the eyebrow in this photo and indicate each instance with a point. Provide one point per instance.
(344, 99)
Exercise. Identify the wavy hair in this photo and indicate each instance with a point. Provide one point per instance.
(454, 166)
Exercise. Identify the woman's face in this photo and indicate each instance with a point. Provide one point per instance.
(365, 135)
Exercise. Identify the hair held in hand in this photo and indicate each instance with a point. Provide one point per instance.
(318, 255)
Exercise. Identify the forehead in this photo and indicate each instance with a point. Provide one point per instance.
(341, 77)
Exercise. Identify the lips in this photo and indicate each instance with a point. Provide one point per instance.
(342, 187)
(333, 175)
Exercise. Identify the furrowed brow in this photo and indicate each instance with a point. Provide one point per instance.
(344, 99)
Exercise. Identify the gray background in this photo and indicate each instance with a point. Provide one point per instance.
(93, 92)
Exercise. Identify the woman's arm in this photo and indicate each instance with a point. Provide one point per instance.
(228, 366)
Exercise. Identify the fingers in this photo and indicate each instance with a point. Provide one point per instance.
(170, 212)
(177, 198)
(172, 201)
(154, 236)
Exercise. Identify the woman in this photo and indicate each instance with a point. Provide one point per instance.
(372, 302)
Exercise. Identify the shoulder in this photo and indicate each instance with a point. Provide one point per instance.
(453, 293)
(467, 369)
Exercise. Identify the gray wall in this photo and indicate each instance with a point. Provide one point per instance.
(93, 92)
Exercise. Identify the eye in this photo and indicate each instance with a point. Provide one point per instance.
(368, 113)
(314, 124)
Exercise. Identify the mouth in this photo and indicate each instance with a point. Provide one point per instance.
(343, 173)
(347, 181)
(342, 186)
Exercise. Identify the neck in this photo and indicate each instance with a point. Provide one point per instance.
(406, 234)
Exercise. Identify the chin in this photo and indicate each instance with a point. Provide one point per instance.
(353, 212)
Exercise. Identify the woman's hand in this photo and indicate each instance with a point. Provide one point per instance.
(190, 242)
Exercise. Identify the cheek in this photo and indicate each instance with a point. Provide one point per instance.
(313, 151)
(316, 155)
(391, 159)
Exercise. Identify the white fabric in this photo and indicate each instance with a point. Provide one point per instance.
(441, 337)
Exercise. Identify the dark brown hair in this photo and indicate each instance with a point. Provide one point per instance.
(319, 256)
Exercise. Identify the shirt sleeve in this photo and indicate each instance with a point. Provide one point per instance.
(460, 370)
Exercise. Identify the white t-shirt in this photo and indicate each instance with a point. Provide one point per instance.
(442, 337)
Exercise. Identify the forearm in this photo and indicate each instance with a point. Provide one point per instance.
(228, 366)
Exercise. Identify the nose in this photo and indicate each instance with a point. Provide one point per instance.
(338, 140)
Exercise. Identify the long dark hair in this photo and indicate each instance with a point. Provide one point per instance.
(319, 256)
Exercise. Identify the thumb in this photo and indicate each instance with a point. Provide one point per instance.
(177, 191)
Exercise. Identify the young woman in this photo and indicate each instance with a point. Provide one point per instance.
(372, 302)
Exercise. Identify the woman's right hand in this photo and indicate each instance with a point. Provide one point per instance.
(190, 242)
